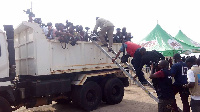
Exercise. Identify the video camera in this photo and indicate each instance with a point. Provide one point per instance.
(87, 28)
(68, 24)
(43, 25)
(38, 20)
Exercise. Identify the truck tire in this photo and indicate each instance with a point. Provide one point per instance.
(88, 96)
(102, 85)
(4, 105)
(114, 91)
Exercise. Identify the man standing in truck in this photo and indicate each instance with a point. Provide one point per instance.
(106, 27)
(135, 51)
(51, 31)
(118, 36)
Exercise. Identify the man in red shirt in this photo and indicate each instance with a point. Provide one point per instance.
(130, 47)
(136, 52)
(162, 83)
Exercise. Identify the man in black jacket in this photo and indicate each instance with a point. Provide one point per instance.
(140, 60)
(150, 57)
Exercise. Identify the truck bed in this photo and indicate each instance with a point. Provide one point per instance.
(36, 55)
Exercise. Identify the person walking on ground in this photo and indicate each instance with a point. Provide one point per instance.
(170, 62)
(135, 51)
(106, 27)
(193, 75)
(162, 83)
(179, 72)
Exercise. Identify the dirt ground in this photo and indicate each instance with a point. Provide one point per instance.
(135, 100)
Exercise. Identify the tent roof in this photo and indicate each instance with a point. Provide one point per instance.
(183, 38)
(158, 39)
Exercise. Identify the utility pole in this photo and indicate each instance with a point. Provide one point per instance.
(31, 7)
(31, 14)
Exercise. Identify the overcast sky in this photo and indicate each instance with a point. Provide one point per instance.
(139, 16)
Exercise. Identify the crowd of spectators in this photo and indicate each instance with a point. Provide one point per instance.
(70, 32)
(122, 35)
(184, 71)
(184, 58)
(66, 33)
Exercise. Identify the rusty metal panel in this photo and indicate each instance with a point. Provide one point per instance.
(83, 77)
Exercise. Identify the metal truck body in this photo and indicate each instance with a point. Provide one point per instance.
(46, 72)
(4, 62)
(36, 55)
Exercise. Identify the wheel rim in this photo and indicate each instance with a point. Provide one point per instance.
(115, 90)
(91, 96)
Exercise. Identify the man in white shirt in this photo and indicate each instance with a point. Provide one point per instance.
(193, 75)
(106, 26)
(45, 30)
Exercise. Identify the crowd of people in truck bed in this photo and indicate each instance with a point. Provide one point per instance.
(70, 32)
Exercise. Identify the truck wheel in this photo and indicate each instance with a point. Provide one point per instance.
(4, 105)
(88, 96)
(114, 91)
(102, 85)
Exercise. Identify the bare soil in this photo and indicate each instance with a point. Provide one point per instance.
(135, 100)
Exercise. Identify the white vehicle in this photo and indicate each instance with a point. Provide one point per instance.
(46, 72)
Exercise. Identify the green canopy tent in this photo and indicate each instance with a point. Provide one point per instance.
(183, 38)
(161, 41)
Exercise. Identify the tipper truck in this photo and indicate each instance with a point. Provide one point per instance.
(35, 71)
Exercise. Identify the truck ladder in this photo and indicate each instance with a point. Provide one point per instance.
(128, 74)
(131, 68)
